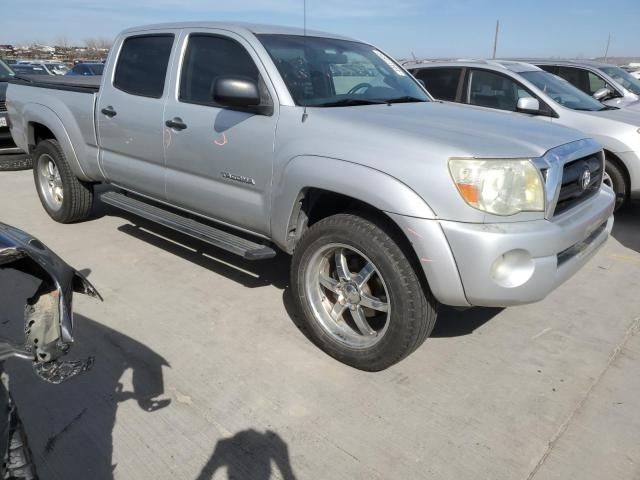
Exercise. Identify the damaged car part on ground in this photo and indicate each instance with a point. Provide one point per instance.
(48, 334)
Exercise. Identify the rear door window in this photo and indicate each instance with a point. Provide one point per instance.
(442, 83)
(142, 65)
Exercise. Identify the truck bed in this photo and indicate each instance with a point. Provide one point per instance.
(89, 84)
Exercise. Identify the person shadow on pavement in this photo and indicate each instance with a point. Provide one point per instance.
(69, 426)
(249, 455)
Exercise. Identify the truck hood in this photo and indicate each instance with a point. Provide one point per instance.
(462, 130)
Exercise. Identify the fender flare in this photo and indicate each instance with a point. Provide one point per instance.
(36, 113)
(378, 189)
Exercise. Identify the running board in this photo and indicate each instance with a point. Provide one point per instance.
(213, 236)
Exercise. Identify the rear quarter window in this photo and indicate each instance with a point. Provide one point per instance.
(142, 65)
(442, 83)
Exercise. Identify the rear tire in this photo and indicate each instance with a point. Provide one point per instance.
(369, 325)
(65, 198)
(616, 179)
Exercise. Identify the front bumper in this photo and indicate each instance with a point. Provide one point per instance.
(503, 264)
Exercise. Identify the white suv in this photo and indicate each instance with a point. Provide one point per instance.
(529, 90)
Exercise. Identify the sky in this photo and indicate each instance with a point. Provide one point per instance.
(426, 28)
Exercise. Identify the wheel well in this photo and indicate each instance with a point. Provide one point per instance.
(619, 163)
(38, 133)
(315, 204)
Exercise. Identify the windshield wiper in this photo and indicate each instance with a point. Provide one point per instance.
(349, 102)
(608, 107)
(406, 99)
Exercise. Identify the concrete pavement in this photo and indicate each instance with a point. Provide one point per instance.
(201, 372)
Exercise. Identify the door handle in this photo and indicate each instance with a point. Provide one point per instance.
(109, 111)
(176, 124)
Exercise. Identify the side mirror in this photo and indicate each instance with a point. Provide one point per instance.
(236, 92)
(528, 105)
(421, 82)
(602, 94)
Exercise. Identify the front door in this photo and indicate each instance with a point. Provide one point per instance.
(219, 160)
(129, 115)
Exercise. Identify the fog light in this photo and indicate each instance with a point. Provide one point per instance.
(513, 269)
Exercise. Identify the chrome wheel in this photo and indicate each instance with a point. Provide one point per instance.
(606, 179)
(50, 182)
(347, 295)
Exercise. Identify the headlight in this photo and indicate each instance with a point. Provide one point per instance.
(501, 187)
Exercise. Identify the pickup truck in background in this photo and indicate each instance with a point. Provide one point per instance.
(11, 157)
(255, 138)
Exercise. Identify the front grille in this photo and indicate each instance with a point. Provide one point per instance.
(3, 106)
(573, 190)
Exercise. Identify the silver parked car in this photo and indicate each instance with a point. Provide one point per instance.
(610, 84)
(388, 201)
(526, 89)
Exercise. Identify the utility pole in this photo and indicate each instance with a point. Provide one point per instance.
(495, 40)
(606, 52)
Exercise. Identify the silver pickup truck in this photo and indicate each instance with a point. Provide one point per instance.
(255, 138)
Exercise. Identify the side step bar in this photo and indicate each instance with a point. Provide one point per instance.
(213, 236)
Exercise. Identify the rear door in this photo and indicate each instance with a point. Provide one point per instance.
(129, 116)
(220, 160)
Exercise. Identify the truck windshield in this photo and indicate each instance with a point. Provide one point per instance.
(563, 92)
(5, 72)
(327, 72)
(623, 78)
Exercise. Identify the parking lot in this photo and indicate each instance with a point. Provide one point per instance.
(202, 373)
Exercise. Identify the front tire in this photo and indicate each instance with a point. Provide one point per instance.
(615, 178)
(65, 198)
(359, 295)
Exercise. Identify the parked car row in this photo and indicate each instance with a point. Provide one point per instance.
(52, 67)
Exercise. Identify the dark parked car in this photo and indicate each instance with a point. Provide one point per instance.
(87, 69)
(11, 157)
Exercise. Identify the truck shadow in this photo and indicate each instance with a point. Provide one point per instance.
(255, 274)
(626, 228)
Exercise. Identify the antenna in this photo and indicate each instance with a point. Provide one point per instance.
(304, 50)
(606, 52)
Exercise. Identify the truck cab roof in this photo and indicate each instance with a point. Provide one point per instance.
(236, 27)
